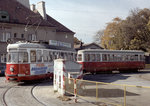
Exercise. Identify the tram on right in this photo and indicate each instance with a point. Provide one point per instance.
(97, 60)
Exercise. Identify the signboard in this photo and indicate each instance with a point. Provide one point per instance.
(59, 43)
(37, 69)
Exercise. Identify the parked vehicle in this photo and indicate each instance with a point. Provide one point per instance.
(2, 70)
(96, 60)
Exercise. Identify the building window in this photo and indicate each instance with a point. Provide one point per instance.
(22, 35)
(6, 36)
(3, 58)
(15, 35)
(4, 16)
(32, 37)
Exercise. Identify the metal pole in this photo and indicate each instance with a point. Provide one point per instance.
(124, 95)
(96, 91)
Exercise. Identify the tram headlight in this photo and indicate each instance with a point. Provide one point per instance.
(11, 69)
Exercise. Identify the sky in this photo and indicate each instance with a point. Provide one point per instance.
(86, 17)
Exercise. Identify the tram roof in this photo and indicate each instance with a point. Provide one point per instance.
(36, 45)
(109, 51)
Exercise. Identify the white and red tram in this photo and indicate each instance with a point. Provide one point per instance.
(96, 60)
(32, 61)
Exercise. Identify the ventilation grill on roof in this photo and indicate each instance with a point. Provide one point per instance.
(4, 16)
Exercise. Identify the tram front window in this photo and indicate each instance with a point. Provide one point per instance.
(21, 57)
(80, 57)
(13, 57)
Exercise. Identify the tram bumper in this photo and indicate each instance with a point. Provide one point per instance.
(11, 77)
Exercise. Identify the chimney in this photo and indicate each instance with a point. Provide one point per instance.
(25, 3)
(81, 45)
(32, 7)
(41, 9)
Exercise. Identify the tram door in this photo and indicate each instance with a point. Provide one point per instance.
(23, 65)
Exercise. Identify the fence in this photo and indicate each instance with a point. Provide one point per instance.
(108, 94)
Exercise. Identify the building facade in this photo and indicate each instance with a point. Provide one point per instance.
(21, 22)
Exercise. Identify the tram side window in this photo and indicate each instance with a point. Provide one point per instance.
(65, 56)
(98, 58)
(132, 58)
(69, 56)
(57, 55)
(123, 57)
(72, 56)
(142, 58)
(111, 57)
(119, 57)
(127, 57)
(104, 57)
(136, 57)
(39, 56)
(50, 57)
(108, 57)
(79, 57)
(54, 55)
(86, 57)
(93, 57)
(45, 56)
(62, 55)
(33, 56)
(23, 57)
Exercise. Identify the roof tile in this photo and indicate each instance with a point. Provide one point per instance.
(19, 14)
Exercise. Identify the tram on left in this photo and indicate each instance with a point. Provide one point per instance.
(32, 61)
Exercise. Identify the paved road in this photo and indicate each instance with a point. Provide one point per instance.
(33, 94)
(41, 94)
(142, 78)
(135, 96)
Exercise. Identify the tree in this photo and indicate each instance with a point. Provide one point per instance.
(76, 41)
(110, 40)
(97, 37)
(133, 33)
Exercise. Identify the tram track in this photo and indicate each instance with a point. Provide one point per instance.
(35, 96)
(4, 95)
(11, 88)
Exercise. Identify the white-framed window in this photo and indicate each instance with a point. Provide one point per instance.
(45, 55)
(6, 36)
(3, 58)
(33, 56)
(39, 56)
(32, 37)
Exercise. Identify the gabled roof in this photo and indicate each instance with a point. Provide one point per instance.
(19, 14)
(87, 46)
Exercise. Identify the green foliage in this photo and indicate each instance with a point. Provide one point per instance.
(133, 33)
